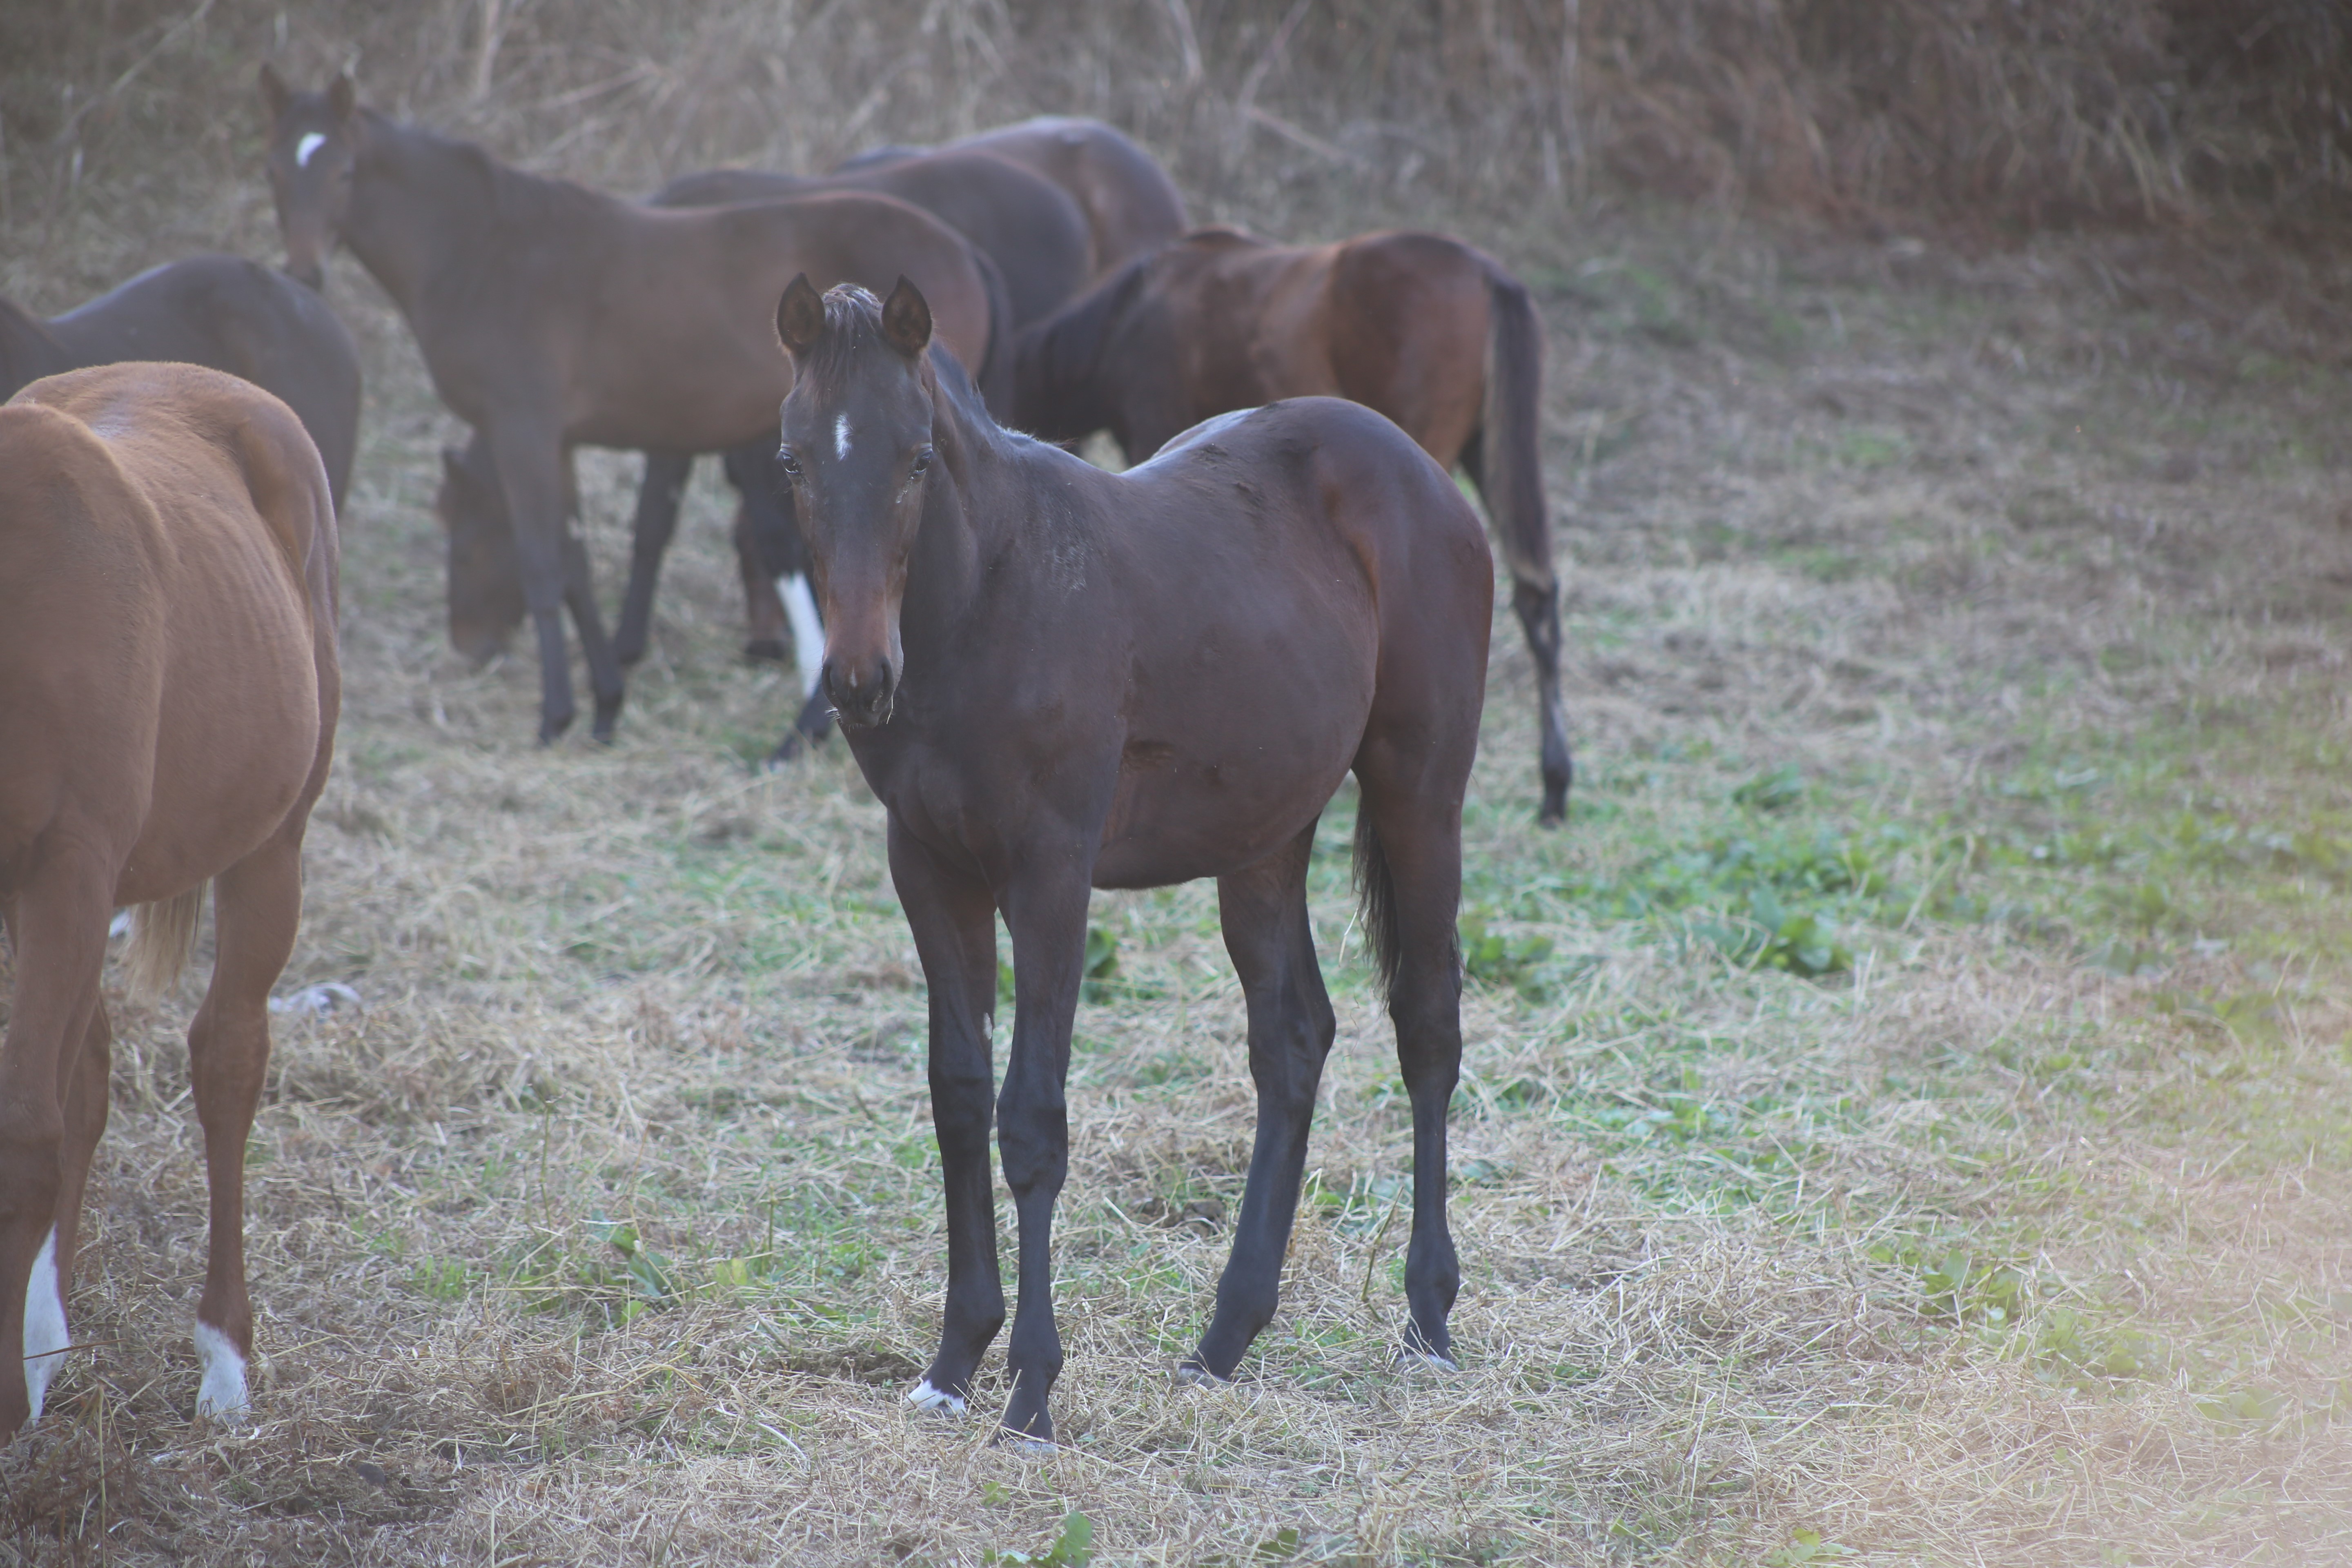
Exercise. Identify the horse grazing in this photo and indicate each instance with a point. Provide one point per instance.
(168, 694)
(1434, 334)
(551, 316)
(1130, 203)
(1057, 678)
(223, 312)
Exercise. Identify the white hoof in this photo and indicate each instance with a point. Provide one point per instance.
(222, 1392)
(936, 1400)
(44, 1326)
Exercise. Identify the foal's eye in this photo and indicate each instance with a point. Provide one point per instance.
(789, 463)
(922, 461)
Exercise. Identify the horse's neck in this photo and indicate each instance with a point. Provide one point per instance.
(425, 210)
(961, 518)
(27, 350)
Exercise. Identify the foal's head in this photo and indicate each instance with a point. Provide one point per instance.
(486, 599)
(856, 456)
(314, 142)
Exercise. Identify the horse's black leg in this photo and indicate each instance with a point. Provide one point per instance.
(954, 923)
(531, 469)
(656, 523)
(1263, 912)
(1538, 610)
(1418, 848)
(603, 669)
(1047, 915)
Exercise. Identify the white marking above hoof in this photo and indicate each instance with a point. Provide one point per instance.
(44, 1326)
(1188, 1375)
(1409, 1358)
(808, 630)
(222, 1392)
(332, 998)
(1023, 1445)
(936, 1400)
(120, 926)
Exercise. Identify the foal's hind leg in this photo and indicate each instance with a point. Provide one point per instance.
(257, 905)
(1264, 911)
(1409, 852)
(604, 668)
(658, 494)
(57, 921)
(1535, 600)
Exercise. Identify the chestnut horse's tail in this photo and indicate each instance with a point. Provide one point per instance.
(1376, 892)
(1511, 470)
(162, 940)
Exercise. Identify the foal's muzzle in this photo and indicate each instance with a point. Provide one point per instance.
(860, 693)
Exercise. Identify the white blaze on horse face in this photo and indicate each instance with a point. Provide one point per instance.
(308, 147)
(841, 435)
(44, 1325)
(808, 630)
(222, 1392)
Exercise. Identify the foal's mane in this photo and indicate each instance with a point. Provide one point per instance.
(853, 328)
(515, 196)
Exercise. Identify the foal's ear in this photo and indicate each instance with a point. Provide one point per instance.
(342, 97)
(275, 94)
(906, 319)
(800, 316)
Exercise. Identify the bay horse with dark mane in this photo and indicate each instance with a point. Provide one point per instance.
(1023, 223)
(552, 316)
(168, 695)
(1058, 679)
(1433, 334)
(224, 311)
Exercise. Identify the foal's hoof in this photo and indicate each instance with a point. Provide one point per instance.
(1023, 1443)
(938, 1400)
(1409, 1360)
(1192, 1374)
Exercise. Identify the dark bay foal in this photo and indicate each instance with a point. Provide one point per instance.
(1435, 334)
(1058, 679)
(220, 311)
(552, 316)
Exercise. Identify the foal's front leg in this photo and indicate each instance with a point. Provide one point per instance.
(531, 468)
(1045, 911)
(954, 923)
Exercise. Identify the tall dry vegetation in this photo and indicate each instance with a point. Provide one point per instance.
(2016, 111)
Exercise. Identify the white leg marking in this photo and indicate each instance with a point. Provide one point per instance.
(222, 1392)
(841, 435)
(44, 1325)
(808, 629)
(926, 1397)
(1409, 1358)
(310, 145)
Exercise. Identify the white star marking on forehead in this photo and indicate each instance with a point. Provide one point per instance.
(311, 142)
(841, 435)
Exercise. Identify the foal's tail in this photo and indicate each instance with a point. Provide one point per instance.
(1376, 890)
(1511, 471)
(162, 940)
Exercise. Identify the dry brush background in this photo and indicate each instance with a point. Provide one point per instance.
(1907, 1113)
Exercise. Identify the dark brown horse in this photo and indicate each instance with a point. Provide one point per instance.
(1058, 679)
(168, 694)
(1431, 333)
(223, 312)
(552, 316)
(1131, 204)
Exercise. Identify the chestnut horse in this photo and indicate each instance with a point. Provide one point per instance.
(1431, 333)
(219, 311)
(168, 694)
(1131, 205)
(551, 316)
(1056, 678)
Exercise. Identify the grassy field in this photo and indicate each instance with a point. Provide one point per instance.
(1907, 1113)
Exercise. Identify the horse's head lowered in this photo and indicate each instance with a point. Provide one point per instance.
(486, 597)
(857, 455)
(314, 145)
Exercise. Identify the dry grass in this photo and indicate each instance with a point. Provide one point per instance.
(1939, 530)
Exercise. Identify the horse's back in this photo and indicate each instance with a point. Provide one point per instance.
(175, 659)
(1406, 333)
(234, 315)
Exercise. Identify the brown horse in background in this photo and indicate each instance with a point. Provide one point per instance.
(224, 311)
(1057, 680)
(552, 316)
(168, 696)
(1433, 334)
(1131, 205)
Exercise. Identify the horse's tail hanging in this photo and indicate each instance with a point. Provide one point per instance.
(993, 374)
(1376, 890)
(162, 940)
(1509, 468)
